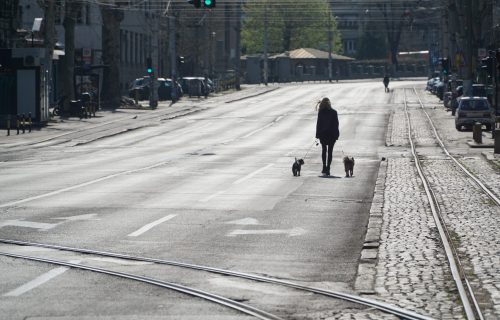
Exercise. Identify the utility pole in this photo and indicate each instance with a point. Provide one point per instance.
(265, 43)
(172, 48)
(469, 56)
(49, 42)
(170, 14)
(330, 38)
(238, 45)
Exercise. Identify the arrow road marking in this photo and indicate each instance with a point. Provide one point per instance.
(290, 232)
(38, 281)
(28, 224)
(151, 225)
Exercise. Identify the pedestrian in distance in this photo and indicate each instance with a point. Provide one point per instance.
(327, 131)
(386, 83)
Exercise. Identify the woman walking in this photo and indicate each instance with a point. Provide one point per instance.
(327, 131)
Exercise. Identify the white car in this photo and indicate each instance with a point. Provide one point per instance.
(473, 110)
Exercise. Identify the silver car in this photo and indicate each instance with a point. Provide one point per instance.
(473, 110)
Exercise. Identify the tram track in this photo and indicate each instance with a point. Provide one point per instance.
(370, 303)
(462, 282)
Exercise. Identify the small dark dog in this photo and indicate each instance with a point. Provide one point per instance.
(348, 166)
(296, 167)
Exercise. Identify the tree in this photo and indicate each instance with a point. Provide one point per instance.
(396, 14)
(291, 25)
(469, 20)
(111, 19)
(372, 44)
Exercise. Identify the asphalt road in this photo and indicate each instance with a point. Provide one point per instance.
(214, 188)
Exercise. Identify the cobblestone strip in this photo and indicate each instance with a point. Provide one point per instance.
(474, 221)
(397, 135)
(472, 218)
(412, 269)
(402, 262)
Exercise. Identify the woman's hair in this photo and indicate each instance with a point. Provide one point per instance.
(324, 104)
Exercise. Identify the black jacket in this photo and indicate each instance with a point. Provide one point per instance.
(327, 126)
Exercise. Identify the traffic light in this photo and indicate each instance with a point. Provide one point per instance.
(195, 3)
(149, 65)
(445, 65)
(209, 3)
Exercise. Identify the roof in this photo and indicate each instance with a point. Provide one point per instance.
(310, 53)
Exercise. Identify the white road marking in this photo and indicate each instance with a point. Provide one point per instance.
(258, 130)
(28, 224)
(252, 174)
(56, 192)
(210, 197)
(151, 225)
(261, 288)
(120, 261)
(206, 199)
(90, 216)
(244, 222)
(290, 232)
(38, 281)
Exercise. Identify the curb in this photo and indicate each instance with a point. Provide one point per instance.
(254, 95)
(367, 272)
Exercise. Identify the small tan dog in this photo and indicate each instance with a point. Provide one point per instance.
(348, 166)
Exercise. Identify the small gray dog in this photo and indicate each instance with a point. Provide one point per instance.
(348, 166)
(296, 167)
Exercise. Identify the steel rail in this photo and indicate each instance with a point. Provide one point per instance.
(467, 172)
(452, 256)
(103, 127)
(249, 310)
(382, 306)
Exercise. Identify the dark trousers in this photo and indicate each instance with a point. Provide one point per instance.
(326, 149)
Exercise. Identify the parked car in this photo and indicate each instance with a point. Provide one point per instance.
(439, 89)
(190, 85)
(141, 85)
(140, 88)
(430, 83)
(473, 110)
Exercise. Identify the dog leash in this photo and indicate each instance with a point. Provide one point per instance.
(310, 148)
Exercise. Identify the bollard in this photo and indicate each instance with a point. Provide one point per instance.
(496, 130)
(8, 124)
(23, 123)
(18, 122)
(477, 133)
(30, 122)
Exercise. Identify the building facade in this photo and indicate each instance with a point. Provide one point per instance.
(350, 17)
(9, 17)
(138, 35)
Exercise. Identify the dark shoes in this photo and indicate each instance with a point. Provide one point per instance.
(326, 171)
